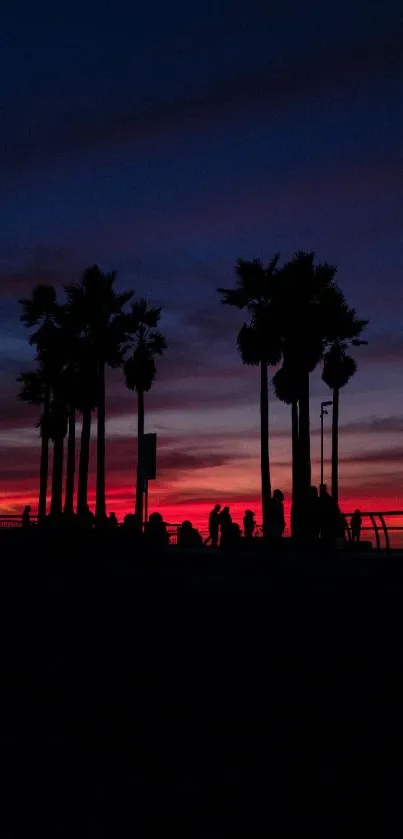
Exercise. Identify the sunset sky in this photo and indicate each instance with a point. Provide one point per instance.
(167, 141)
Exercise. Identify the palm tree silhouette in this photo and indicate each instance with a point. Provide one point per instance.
(145, 342)
(57, 430)
(40, 312)
(306, 300)
(259, 344)
(286, 389)
(97, 307)
(338, 368)
(35, 390)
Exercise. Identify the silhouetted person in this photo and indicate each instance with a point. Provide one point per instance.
(26, 516)
(312, 514)
(331, 520)
(225, 520)
(189, 537)
(249, 524)
(231, 536)
(355, 523)
(276, 515)
(214, 525)
(155, 533)
(129, 521)
(112, 521)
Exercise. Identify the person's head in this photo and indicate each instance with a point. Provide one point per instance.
(278, 495)
(217, 508)
(357, 512)
(186, 525)
(323, 490)
(28, 508)
(226, 510)
(313, 491)
(155, 518)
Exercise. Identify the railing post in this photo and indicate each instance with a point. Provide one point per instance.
(386, 532)
(376, 531)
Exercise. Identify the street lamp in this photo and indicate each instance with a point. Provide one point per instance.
(323, 412)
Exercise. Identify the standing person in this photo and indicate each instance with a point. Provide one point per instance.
(312, 513)
(356, 522)
(26, 518)
(225, 520)
(331, 520)
(214, 525)
(277, 518)
(249, 524)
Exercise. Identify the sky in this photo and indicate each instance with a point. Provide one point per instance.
(165, 141)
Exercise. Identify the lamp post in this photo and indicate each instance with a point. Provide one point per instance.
(323, 412)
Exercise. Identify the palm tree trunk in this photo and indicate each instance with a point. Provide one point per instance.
(304, 453)
(82, 493)
(44, 465)
(295, 468)
(100, 506)
(335, 444)
(71, 463)
(140, 477)
(295, 448)
(57, 477)
(264, 446)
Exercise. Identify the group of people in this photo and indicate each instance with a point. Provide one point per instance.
(222, 529)
(316, 516)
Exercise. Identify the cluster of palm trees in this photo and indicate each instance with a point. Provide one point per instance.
(298, 319)
(74, 342)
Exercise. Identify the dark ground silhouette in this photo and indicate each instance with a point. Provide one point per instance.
(212, 696)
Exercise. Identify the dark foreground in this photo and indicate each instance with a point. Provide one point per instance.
(186, 696)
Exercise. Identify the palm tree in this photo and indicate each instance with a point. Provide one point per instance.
(40, 312)
(259, 344)
(286, 390)
(306, 300)
(96, 308)
(58, 430)
(145, 342)
(86, 403)
(35, 390)
(338, 368)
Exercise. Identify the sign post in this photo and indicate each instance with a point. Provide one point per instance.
(148, 465)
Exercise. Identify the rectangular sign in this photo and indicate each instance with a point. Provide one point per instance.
(148, 457)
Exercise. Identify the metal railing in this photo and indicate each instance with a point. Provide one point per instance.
(383, 528)
(380, 526)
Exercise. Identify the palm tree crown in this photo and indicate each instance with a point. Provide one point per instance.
(145, 342)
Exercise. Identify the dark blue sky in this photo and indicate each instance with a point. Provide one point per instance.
(168, 140)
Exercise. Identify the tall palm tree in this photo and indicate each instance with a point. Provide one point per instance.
(259, 345)
(35, 390)
(58, 430)
(145, 342)
(97, 306)
(40, 313)
(338, 368)
(305, 303)
(286, 390)
(86, 403)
